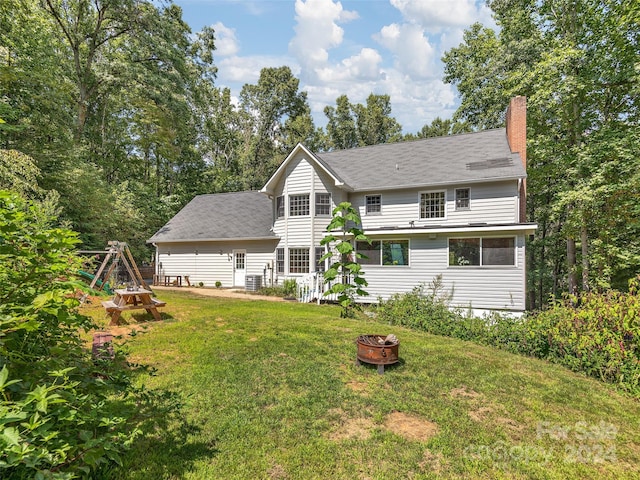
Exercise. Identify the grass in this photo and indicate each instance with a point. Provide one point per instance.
(270, 391)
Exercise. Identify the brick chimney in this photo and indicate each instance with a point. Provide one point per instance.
(516, 122)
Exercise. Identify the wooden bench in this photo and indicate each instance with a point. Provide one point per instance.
(158, 303)
(111, 306)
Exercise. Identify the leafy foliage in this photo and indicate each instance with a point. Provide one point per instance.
(596, 333)
(344, 266)
(600, 336)
(59, 418)
(576, 62)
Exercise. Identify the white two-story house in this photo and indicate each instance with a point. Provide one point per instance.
(450, 206)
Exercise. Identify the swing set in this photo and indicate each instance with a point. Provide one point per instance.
(116, 253)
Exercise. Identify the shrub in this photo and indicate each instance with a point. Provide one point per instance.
(598, 334)
(290, 287)
(58, 418)
(218, 284)
(422, 309)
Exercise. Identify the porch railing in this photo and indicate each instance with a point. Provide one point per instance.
(311, 288)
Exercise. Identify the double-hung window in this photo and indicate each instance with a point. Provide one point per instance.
(432, 205)
(323, 204)
(462, 199)
(373, 204)
(319, 264)
(280, 261)
(299, 205)
(280, 206)
(481, 251)
(384, 252)
(298, 260)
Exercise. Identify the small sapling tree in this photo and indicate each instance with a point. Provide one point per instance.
(346, 269)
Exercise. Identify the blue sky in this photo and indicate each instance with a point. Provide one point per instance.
(352, 47)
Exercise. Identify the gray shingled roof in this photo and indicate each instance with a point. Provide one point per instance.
(464, 158)
(222, 216)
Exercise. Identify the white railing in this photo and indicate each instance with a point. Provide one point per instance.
(312, 287)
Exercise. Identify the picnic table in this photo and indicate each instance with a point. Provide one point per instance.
(125, 299)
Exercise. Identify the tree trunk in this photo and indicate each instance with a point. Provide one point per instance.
(571, 266)
(584, 240)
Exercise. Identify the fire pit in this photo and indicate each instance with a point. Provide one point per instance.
(378, 350)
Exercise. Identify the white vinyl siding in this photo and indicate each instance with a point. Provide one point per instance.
(480, 287)
(495, 202)
(214, 261)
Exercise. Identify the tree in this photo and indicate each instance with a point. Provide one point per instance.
(440, 128)
(341, 125)
(266, 106)
(356, 125)
(576, 63)
(374, 123)
(19, 173)
(101, 95)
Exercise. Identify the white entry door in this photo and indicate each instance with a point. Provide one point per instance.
(239, 267)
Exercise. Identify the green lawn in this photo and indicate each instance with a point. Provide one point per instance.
(270, 391)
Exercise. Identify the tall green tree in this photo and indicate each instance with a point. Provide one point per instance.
(356, 125)
(576, 61)
(341, 125)
(267, 106)
(374, 122)
(106, 94)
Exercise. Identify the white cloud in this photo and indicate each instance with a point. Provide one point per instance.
(434, 15)
(225, 40)
(413, 54)
(317, 31)
(361, 67)
(242, 70)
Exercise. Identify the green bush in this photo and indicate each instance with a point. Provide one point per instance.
(598, 334)
(423, 309)
(57, 413)
(290, 287)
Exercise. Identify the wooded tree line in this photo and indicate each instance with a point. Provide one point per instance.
(110, 114)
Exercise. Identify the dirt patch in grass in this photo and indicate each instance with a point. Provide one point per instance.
(360, 387)
(481, 414)
(410, 427)
(277, 472)
(123, 330)
(465, 392)
(407, 426)
(353, 428)
(432, 462)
